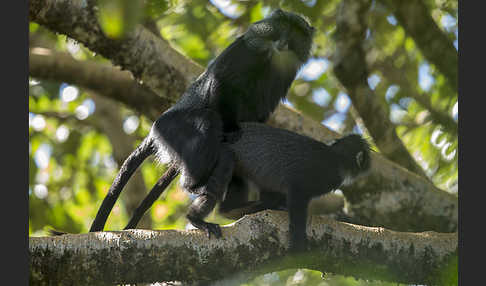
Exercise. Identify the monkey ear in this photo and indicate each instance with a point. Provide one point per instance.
(359, 159)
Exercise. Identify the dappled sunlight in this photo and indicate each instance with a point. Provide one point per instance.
(391, 92)
(37, 122)
(82, 112)
(397, 113)
(69, 93)
(342, 102)
(425, 77)
(42, 156)
(227, 7)
(40, 191)
(448, 155)
(373, 81)
(392, 20)
(130, 124)
(74, 155)
(321, 96)
(313, 69)
(62, 133)
(435, 135)
(41, 51)
(335, 122)
(455, 111)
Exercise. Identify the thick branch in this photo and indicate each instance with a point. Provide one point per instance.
(146, 55)
(105, 79)
(413, 190)
(417, 21)
(351, 69)
(254, 244)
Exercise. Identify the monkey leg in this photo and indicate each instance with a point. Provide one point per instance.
(237, 197)
(154, 194)
(198, 210)
(192, 139)
(274, 200)
(213, 191)
(297, 204)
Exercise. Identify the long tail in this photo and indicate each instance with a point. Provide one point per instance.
(154, 194)
(145, 149)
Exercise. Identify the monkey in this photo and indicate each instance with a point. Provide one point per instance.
(288, 169)
(243, 84)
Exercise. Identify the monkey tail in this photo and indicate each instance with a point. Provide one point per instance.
(154, 194)
(145, 149)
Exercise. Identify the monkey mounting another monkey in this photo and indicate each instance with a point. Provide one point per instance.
(288, 169)
(244, 83)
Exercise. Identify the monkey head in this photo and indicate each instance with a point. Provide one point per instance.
(249, 78)
(356, 150)
(282, 34)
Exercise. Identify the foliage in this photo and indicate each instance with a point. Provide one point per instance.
(70, 158)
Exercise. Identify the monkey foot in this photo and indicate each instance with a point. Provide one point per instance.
(212, 229)
(209, 228)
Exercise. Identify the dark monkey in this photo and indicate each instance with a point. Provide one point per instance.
(289, 170)
(244, 83)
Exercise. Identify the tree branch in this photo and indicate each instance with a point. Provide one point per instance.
(146, 55)
(351, 69)
(432, 208)
(417, 21)
(107, 80)
(255, 244)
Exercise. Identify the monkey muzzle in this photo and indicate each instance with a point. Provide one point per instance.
(281, 45)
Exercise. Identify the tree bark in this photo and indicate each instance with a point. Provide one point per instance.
(254, 245)
(105, 79)
(370, 199)
(146, 55)
(351, 68)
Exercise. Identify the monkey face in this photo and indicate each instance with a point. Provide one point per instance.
(281, 33)
(357, 150)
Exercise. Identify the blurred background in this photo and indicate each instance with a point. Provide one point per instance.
(78, 138)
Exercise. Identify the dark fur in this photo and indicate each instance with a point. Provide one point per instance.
(290, 169)
(244, 83)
